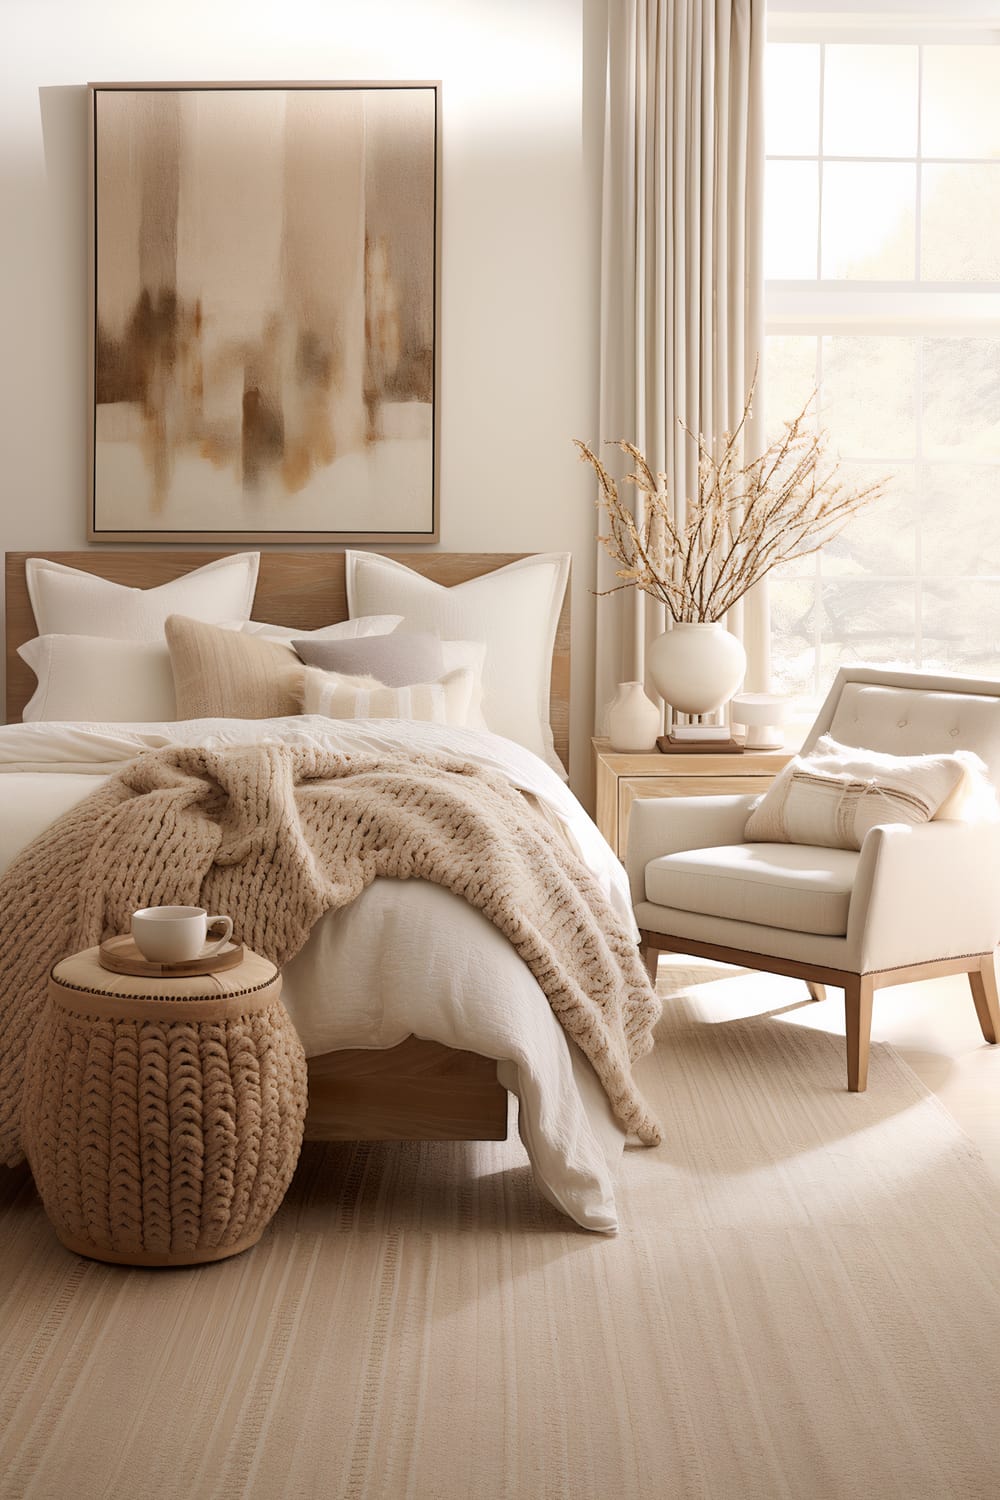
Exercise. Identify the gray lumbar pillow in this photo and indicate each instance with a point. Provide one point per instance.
(397, 660)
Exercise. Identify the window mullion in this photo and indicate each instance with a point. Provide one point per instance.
(918, 505)
(918, 204)
(819, 163)
(918, 415)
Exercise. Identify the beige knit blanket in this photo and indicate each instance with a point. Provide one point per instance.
(276, 836)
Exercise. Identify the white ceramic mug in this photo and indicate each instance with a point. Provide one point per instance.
(177, 934)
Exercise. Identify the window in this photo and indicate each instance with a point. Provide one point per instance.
(882, 259)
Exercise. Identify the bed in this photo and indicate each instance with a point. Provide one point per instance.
(394, 1086)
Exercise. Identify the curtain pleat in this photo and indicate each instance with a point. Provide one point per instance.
(681, 273)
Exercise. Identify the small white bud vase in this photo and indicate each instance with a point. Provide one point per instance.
(696, 667)
(634, 721)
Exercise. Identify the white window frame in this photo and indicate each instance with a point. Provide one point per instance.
(815, 308)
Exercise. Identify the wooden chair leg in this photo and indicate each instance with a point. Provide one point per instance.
(816, 991)
(858, 993)
(651, 958)
(983, 983)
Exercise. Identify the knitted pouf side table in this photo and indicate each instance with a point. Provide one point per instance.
(162, 1118)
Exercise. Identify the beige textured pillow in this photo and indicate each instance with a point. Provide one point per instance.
(336, 696)
(224, 674)
(833, 796)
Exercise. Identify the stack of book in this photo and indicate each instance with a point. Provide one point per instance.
(695, 739)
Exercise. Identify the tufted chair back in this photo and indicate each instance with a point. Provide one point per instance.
(912, 713)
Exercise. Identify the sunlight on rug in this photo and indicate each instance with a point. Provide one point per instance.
(803, 1302)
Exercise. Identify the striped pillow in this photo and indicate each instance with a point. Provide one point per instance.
(834, 795)
(446, 701)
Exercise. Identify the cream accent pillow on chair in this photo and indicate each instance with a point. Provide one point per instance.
(224, 674)
(834, 795)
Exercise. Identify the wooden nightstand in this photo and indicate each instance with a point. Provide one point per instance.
(621, 778)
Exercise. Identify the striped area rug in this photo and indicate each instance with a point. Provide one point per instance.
(804, 1302)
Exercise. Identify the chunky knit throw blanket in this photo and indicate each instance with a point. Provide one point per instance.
(276, 836)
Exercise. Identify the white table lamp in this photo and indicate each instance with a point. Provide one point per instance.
(764, 715)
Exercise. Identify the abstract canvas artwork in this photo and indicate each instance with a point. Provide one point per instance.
(265, 312)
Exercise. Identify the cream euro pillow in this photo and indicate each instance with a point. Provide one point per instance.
(69, 601)
(471, 654)
(337, 696)
(834, 795)
(83, 677)
(513, 611)
(225, 674)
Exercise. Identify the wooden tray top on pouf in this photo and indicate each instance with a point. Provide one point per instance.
(163, 1117)
(121, 955)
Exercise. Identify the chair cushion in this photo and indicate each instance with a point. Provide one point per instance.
(794, 886)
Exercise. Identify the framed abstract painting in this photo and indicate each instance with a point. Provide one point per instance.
(265, 312)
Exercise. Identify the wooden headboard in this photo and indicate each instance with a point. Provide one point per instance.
(304, 589)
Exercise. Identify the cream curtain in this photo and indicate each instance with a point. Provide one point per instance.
(681, 269)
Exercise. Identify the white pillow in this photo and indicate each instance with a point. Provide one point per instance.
(472, 655)
(340, 697)
(514, 611)
(83, 677)
(834, 795)
(67, 601)
(344, 630)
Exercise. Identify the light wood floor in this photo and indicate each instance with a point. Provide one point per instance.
(932, 1026)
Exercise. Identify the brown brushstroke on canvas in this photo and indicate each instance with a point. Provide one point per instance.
(322, 249)
(148, 363)
(155, 365)
(398, 183)
(262, 433)
(313, 312)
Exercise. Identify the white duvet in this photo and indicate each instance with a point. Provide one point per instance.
(407, 956)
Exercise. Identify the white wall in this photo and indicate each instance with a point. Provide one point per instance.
(521, 143)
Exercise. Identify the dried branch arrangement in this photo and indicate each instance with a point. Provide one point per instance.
(745, 519)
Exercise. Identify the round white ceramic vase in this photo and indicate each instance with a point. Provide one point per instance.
(634, 721)
(696, 667)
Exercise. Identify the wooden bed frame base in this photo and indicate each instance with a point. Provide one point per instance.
(417, 1090)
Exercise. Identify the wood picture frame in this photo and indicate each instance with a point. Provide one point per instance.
(265, 287)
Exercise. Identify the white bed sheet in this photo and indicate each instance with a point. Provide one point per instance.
(406, 956)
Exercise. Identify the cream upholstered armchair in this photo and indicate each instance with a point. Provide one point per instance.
(915, 902)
